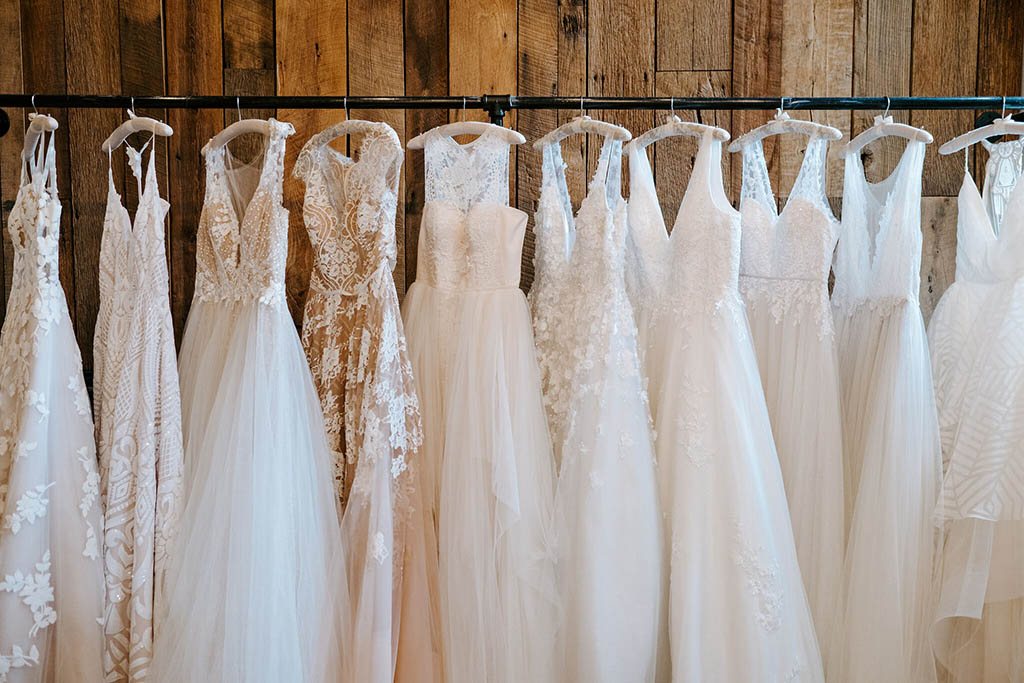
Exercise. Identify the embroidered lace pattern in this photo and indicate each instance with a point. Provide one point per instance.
(35, 402)
(1002, 169)
(464, 175)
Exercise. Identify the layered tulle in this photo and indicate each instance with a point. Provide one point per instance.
(259, 562)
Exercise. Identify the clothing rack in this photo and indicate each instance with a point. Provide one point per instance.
(496, 106)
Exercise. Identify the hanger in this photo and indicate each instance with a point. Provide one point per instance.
(464, 127)
(1004, 125)
(674, 126)
(39, 124)
(134, 124)
(783, 124)
(583, 124)
(239, 127)
(884, 127)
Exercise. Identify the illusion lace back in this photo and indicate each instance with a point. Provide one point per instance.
(138, 421)
(258, 593)
(485, 433)
(738, 610)
(890, 430)
(609, 522)
(51, 572)
(355, 343)
(784, 267)
(976, 339)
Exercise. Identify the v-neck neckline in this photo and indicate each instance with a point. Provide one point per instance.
(703, 150)
(870, 190)
(994, 231)
(145, 194)
(772, 209)
(240, 219)
(571, 216)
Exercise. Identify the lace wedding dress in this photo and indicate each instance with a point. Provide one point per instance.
(976, 334)
(785, 261)
(51, 573)
(738, 610)
(472, 352)
(890, 431)
(609, 523)
(258, 591)
(138, 421)
(354, 340)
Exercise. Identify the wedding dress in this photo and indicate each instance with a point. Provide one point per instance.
(471, 346)
(51, 572)
(609, 523)
(738, 609)
(353, 336)
(976, 335)
(890, 430)
(138, 420)
(256, 585)
(785, 261)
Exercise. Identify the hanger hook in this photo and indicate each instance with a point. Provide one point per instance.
(887, 103)
(463, 108)
(238, 106)
(34, 104)
(1003, 115)
(672, 105)
(345, 104)
(581, 107)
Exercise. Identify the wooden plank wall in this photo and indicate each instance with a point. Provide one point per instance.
(440, 47)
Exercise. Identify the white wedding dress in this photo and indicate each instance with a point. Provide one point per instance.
(890, 431)
(256, 582)
(138, 420)
(976, 335)
(738, 610)
(472, 353)
(785, 262)
(609, 523)
(51, 572)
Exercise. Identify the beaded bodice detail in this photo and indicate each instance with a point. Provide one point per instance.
(242, 247)
(1003, 168)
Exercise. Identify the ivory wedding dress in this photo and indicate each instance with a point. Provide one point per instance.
(138, 420)
(785, 262)
(890, 430)
(609, 523)
(471, 346)
(51, 573)
(976, 335)
(354, 340)
(738, 610)
(256, 585)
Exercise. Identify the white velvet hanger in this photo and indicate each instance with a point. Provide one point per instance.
(1005, 125)
(583, 124)
(240, 127)
(468, 128)
(134, 124)
(783, 124)
(675, 127)
(885, 127)
(38, 125)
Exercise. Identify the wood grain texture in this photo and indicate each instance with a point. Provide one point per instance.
(482, 50)
(694, 35)
(938, 255)
(312, 59)
(195, 65)
(376, 58)
(1000, 53)
(93, 66)
(249, 62)
(426, 73)
(944, 65)
(573, 82)
(11, 80)
(756, 70)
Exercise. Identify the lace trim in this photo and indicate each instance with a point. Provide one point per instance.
(795, 300)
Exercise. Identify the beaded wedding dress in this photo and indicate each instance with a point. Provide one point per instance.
(51, 572)
(890, 430)
(138, 420)
(609, 523)
(785, 261)
(257, 592)
(738, 609)
(354, 340)
(472, 352)
(976, 335)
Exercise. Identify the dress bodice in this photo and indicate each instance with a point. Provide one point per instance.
(1003, 168)
(469, 237)
(242, 242)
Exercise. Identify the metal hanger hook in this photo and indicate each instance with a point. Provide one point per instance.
(1003, 115)
(887, 103)
(34, 104)
(345, 104)
(672, 106)
(463, 108)
(581, 107)
(238, 106)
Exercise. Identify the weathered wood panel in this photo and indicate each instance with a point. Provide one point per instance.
(694, 35)
(249, 60)
(11, 80)
(756, 70)
(573, 82)
(938, 254)
(1000, 53)
(482, 50)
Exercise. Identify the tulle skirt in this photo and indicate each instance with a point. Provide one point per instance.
(499, 603)
(799, 370)
(738, 609)
(892, 471)
(256, 582)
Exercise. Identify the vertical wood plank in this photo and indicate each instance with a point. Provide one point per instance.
(312, 59)
(194, 67)
(694, 35)
(482, 51)
(944, 65)
(674, 157)
(11, 80)
(756, 70)
(377, 67)
(881, 66)
(938, 254)
(248, 63)
(93, 66)
(1000, 53)
(42, 23)
(426, 73)
(573, 82)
